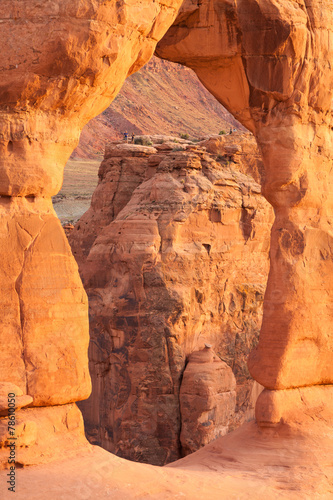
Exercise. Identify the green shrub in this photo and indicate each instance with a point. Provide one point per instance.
(143, 141)
(222, 132)
(184, 136)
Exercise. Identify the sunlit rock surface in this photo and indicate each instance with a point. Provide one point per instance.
(62, 63)
(173, 254)
(270, 62)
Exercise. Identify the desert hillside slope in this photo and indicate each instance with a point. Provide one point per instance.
(164, 98)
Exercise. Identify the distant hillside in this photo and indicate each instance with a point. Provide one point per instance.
(162, 98)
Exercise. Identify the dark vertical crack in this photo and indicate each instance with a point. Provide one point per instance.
(18, 286)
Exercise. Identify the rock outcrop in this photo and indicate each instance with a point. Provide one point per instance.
(238, 149)
(43, 336)
(162, 96)
(173, 254)
(43, 294)
(124, 168)
(62, 73)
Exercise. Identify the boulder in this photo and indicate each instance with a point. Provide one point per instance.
(207, 400)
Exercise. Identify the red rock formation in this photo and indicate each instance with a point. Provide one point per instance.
(123, 169)
(207, 400)
(42, 297)
(245, 464)
(269, 63)
(44, 340)
(57, 62)
(59, 78)
(161, 98)
(179, 261)
(238, 149)
(274, 72)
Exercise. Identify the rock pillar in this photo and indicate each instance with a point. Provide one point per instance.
(207, 400)
(296, 343)
(62, 63)
(270, 64)
(44, 318)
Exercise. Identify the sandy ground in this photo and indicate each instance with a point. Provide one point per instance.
(247, 464)
(80, 181)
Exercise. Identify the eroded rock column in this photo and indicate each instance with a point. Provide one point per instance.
(44, 321)
(269, 63)
(207, 400)
(296, 342)
(173, 254)
(44, 333)
(62, 63)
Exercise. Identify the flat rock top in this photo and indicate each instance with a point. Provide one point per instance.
(128, 150)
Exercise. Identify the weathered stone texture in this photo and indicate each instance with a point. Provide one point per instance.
(43, 338)
(180, 261)
(207, 400)
(270, 64)
(238, 149)
(62, 62)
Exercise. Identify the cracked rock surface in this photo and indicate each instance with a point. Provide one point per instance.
(173, 254)
(42, 295)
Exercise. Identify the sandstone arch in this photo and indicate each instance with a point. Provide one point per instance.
(269, 64)
(62, 58)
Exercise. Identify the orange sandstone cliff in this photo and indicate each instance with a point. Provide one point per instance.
(163, 98)
(62, 63)
(173, 254)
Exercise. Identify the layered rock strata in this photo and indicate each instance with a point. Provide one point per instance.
(44, 333)
(179, 259)
(238, 149)
(69, 65)
(274, 72)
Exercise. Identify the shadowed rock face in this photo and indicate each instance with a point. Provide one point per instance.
(269, 63)
(207, 400)
(173, 254)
